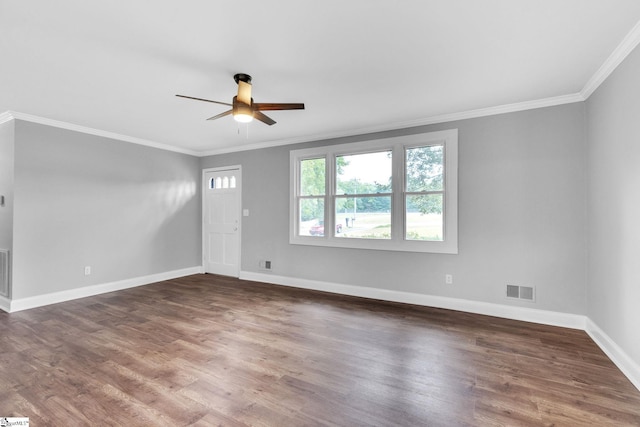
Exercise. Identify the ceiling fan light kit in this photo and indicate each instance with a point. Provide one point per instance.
(243, 109)
(241, 112)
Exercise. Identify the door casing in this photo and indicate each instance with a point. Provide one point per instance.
(238, 214)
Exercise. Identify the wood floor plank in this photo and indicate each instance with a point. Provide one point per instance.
(208, 350)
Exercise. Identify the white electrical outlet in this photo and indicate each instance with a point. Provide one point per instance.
(448, 279)
(87, 270)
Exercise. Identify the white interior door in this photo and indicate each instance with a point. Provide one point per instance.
(221, 221)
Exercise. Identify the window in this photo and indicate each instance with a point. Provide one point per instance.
(389, 194)
(363, 195)
(311, 199)
(424, 192)
(220, 183)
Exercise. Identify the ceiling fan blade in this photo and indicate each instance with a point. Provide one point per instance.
(205, 100)
(244, 92)
(226, 113)
(263, 118)
(270, 106)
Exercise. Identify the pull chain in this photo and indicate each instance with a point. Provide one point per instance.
(247, 130)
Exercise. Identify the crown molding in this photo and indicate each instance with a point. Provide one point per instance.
(5, 117)
(500, 109)
(442, 118)
(11, 115)
(628, 44)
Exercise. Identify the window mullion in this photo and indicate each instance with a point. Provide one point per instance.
(426, 193)
(330, 199)
(397, 181)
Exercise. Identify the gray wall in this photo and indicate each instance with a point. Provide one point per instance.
(522, 203)
(126, 210)
(613, 113)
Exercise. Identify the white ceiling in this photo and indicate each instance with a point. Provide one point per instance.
(359, 65)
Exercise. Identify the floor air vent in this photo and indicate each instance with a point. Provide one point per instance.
(521, 292)
(4, 273)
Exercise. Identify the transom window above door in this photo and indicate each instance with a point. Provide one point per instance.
(222, 182)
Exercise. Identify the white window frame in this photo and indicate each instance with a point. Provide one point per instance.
(449, 244)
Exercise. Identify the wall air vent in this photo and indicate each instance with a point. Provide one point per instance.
(526, 293)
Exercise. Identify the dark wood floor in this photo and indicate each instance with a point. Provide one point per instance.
(207, 350)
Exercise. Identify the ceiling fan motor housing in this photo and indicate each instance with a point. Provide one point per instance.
(241, 77)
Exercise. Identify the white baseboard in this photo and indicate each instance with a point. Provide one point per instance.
(628, 366)
(573, 321)
(71, 294)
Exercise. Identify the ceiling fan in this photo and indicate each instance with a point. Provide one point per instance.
(243, 108)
